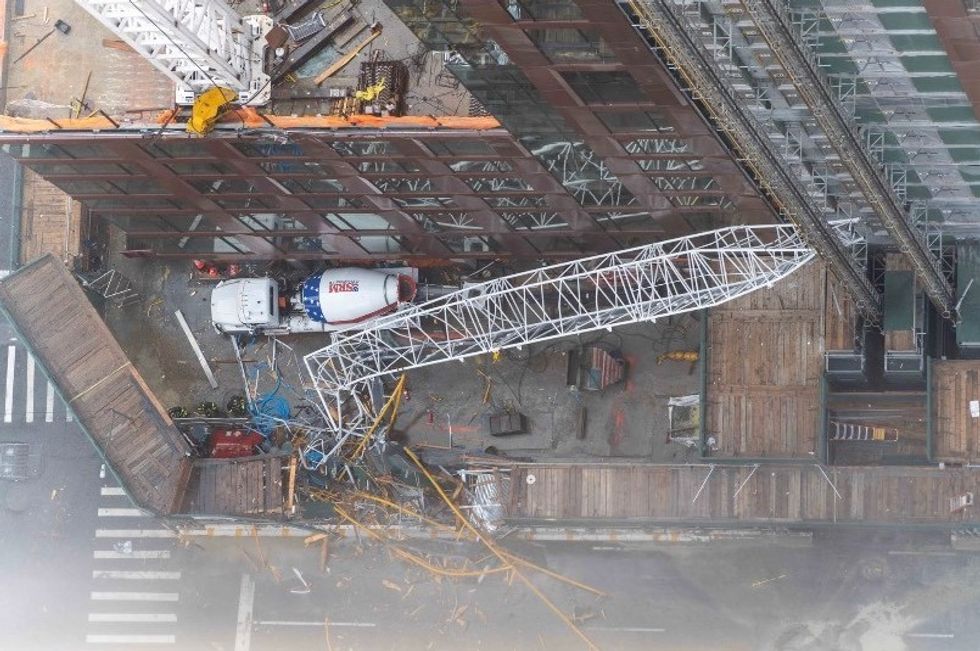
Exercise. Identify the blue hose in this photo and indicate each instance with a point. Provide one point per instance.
(269, 410)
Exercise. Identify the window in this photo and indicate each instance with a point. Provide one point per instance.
(570, 45)
(388, 166)
(425, 202)
(364, 148)
(351, 221)
(380, 243)
(313, 186)
(604, 87)
(77, 169)
(396, 184)
(542, 9)
(199, 168)
(535, 221)
(258, 149)
(331, 203)
(297, 167)
(177, 148)
(481, 166)
(627, 121)
(498, 184)
(459, 147)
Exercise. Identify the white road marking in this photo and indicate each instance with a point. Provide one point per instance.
(112, 555)
(134, 533)
(49, 404)
(246, 598)
(68, 417)
(135, 575)
(113, 490)
(29, 407)
(130, 639)
(122, 513)
(135, 596)
(626, 629)
(8, 398)
(940, 636)
(907, 552)
(286, 623)
(132, 617)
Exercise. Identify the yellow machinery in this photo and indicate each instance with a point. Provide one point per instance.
(370, 93)
(208, 108)
(678, 356)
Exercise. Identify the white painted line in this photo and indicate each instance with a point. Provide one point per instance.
(49, 404)
(29, 407)
(137, 575)
(8, 398)
(904, 552)
(938, 636)
(134, 533)
(122, 513)
(132, 617)
(113, 490)
(246, 597)
(68, 417)
(135, 596)
(130, 639)
(135, 554)
(286, 623)
(626, 629)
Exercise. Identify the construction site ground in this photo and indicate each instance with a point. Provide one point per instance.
(629, 419)
(90, 61)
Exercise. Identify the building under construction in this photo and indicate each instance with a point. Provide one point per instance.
(801, 176)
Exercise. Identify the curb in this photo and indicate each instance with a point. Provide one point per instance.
(531, 534)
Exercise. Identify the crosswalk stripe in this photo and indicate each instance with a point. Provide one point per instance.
(49, 404)
(29, 407)
(132, 617)
(113, 490)
(8, 398)
(135, 596)
(130, 639)
(135, 554)
(122, 513)
(68, 417)
(134, 533)
(135, 575)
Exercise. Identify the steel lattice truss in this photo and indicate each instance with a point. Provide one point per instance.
(640, 284)
(197, 43)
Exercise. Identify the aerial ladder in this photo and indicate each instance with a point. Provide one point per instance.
(570, 298)
(199, 44)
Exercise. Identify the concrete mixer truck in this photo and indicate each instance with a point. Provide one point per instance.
(329, 300)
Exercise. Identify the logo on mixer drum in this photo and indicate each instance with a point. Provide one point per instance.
(337, 286)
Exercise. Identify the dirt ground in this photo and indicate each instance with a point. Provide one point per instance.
(629, 419)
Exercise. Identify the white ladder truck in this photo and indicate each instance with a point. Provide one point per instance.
(199, 44)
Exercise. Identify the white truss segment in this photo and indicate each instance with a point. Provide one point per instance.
(197, 43)
(639, 284)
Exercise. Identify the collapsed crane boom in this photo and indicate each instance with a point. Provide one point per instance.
(640, 284)
(199, 44)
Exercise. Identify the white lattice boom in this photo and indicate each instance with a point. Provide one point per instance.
(640, 284)
(197, 43)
